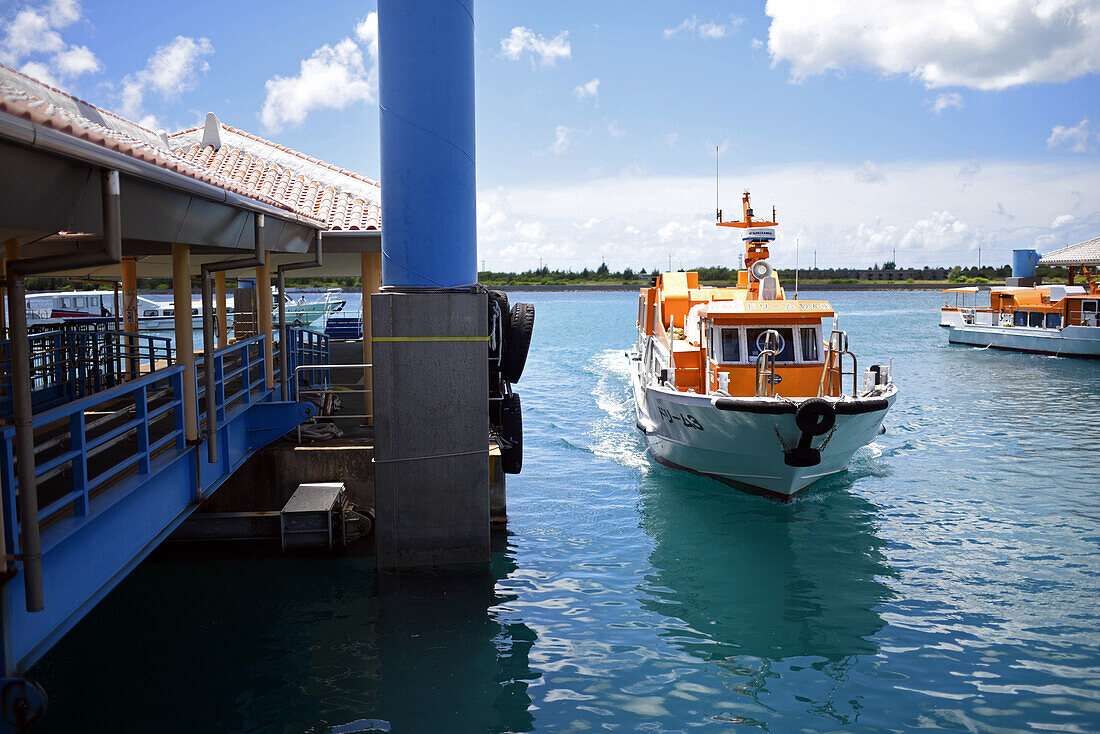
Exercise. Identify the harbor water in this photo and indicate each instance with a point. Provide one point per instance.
(949, 580)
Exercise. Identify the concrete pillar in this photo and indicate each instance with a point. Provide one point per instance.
(130, 310)
(263, 308)
(185, 337)
(371, 267)
(431, 428)
(223, 312)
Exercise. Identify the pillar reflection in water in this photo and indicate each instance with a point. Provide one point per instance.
(448, 662)
(749, 581)
(221, 643)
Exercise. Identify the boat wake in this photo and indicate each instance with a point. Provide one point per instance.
(613, 435)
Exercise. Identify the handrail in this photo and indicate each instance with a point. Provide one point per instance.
(765, 364)
(49, 416)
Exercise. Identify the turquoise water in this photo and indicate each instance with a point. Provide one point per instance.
(948, 581)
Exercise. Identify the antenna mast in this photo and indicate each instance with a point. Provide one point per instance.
(717, 202)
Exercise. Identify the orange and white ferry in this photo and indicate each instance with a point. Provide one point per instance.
(740, 383)
(1062, 320)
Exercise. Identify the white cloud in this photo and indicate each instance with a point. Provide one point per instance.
(29, 33)
(704, 29)
(946, 101)
(1062, 220)
(614, 130)
(32, 36)
(39, 71)
(983, 45)
(333, 78)
(636, 220)
(869, 173)
(171, 70)
(561, 140)
(546, 50)
(76, 60)
(1077, 137)
(63, 12)
(588, 89)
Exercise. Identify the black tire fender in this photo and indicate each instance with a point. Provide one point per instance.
(518, 341)
(815, 416)
(511, 430)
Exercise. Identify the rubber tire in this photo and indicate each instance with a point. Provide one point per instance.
(521, 324)
(815, 417)
(511, 419)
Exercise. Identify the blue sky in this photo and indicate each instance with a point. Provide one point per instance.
(930, 129)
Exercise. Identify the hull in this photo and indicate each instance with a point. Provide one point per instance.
(688, 431)
(1072, 341)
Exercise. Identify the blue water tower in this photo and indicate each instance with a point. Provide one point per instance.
(1024, 263)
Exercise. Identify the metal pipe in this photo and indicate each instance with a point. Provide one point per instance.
(316, 262)
(208, 328)
(31, 544)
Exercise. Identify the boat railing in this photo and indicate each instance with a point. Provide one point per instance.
(765, 365)
(834, 365)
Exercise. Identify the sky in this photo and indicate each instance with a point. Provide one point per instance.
(924, 131)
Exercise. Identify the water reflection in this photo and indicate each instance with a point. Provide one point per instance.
(293, 645)
(748, 582)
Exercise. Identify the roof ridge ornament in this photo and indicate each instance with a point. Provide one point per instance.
(212, 132)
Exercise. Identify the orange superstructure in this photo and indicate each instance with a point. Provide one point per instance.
(715, 335)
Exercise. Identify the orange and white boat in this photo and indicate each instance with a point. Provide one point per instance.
(1062, 320)
(741, 384)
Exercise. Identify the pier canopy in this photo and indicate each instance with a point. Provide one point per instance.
(199, 187)
(1083, 253)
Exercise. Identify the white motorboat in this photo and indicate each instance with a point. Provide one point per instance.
(738, 383)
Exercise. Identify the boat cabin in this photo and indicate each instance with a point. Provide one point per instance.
(719, 334)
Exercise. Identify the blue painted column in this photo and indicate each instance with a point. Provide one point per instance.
(426, 101)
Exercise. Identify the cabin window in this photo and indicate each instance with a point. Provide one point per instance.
(731, 345)
(64, 302)
(149, 312)
(1019, 318)
(755, 341)
(1054, 321)
(810, 343)
(167, 312)
(1035, 318)
(194, 312)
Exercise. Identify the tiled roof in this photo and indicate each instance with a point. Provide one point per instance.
(27, 98)
(1083, 253)
(342, 199)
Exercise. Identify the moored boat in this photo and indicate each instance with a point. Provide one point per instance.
(740, 383)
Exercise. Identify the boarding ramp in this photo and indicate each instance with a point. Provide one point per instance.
(114, 469)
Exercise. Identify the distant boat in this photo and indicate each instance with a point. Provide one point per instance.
(740, 384)
(1062, 320)
(153, 315)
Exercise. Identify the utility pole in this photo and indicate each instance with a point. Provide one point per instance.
(669, 262)
(483, 265)
(815, 259)
(979, 258)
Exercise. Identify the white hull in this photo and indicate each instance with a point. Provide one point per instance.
(688, 431)
(1077, 341)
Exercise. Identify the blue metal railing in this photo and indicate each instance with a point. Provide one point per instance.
(70, 363)
(307, 347)
(74, 441)
(245, 359)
